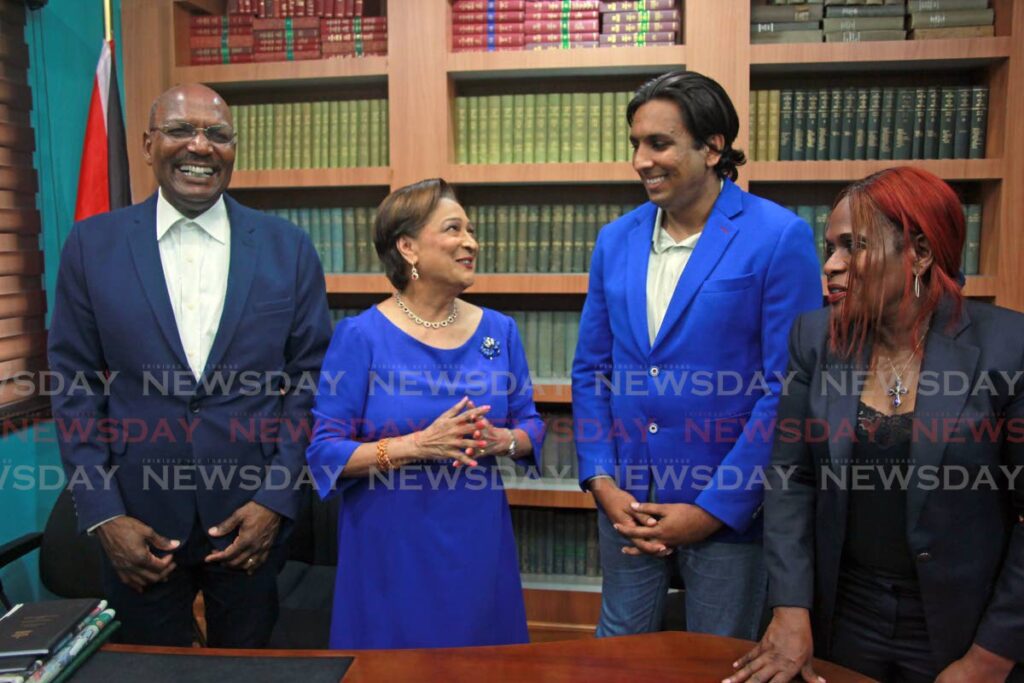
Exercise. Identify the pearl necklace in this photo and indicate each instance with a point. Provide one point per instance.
(427, 323)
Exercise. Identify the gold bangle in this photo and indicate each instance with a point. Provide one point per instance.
(384, 463)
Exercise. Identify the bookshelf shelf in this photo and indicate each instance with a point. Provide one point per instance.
(575, 500)
(844, 171)
(577, 62)
(530, 174)
(299, 74)
(562, 582)
(882, 55)
(533, 283)
(552, 393)
(371, 176)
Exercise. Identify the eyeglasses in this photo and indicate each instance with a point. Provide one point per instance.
(218, 134)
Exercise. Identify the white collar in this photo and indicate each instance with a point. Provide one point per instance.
(214, 220)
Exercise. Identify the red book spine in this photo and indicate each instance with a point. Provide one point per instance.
(504, 40)
(282, 56)
(570, 5)
(297, 23)
(637, 5)
(582, 15)
(662, 38)
(369, 47)
(589, 36)
(351, 37)
(634, 17)
(652, 27)
(231, 20)
(487, 17)
(558, 26)
(233, 40)
(489, 5)
(484, 29)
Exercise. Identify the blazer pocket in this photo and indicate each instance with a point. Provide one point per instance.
(273, 305)
(732, 284)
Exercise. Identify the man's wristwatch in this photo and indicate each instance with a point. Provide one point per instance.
(512, 445)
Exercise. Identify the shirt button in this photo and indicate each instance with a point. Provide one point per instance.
(655, 371)
(189, 259)
(190, 306)
(924, 557)
(653, 428)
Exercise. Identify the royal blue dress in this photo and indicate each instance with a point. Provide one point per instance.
(426, 554)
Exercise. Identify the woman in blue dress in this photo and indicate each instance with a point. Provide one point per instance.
(420, 397)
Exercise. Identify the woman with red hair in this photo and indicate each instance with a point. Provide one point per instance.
(895, 541)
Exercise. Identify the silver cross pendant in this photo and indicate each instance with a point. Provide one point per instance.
(896, 392)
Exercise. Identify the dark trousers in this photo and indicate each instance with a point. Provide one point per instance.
(879, 628)
(240, 609)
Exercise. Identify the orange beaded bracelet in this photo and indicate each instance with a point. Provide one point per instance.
(384, 463)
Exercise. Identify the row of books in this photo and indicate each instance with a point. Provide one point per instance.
(343, 237)
(879, 20)
(558, 459)
(549, 339)
(239, 38)
(335, 134)
(297, 8)
(539, 238)
(556, 541)
(560, 24)
(45, 642)
(542, 128)
(829, 124)
(817, 217)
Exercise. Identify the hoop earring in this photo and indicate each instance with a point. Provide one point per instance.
(917, 285)
(415, 274)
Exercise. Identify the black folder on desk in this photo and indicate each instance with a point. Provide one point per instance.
(104, 667)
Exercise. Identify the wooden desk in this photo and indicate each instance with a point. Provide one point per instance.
(666, 656)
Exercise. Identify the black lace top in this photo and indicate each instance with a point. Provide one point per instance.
(876, 531)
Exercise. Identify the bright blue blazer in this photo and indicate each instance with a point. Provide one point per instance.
(112, 314)
(690, 416)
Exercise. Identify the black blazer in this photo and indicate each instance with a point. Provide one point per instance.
(968, 544)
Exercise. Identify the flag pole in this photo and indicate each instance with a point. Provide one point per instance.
(107, 30)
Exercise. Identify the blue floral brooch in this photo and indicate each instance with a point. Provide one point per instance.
(490, 348)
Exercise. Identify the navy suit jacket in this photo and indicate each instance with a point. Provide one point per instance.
(967, 540)
(139, 435)
(671, 414)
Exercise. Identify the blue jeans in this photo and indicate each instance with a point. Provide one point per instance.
(726, 587)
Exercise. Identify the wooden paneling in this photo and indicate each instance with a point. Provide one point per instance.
(544, 63)
(19, 220)
(312, 177)
(574, 500)
(22, 304)
(880, 55)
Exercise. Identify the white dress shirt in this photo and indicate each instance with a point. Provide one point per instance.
(195, 254)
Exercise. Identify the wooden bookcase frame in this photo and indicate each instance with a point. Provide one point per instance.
(421, 78)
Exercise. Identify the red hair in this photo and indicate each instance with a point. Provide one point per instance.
(909, 202)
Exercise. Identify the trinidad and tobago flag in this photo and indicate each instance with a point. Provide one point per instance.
(103, 176)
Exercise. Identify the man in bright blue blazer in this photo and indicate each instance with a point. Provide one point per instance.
(189, 331)
(680, 360)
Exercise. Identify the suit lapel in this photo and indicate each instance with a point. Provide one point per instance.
(718, 233)
(943, 356)
(146, 257)
(845, 385)
(244, 253)
(637, 259)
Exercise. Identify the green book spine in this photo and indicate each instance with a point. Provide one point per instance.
(541, 130)
(306, 126)
(293, 135)
(362, 260)
(332, 154)
(462, 130)
(572, 334)
(821, 141)
(979, 121)
(337, 239)
(967, 17)
(579, 237)
(558, 366)
(347, 134)
(544, 245)
(485, 129)
(930, 147)
(565, 128)
(939, 5)
(350, 229)
(529, 128)
(549, 541)
(917, 142)
(860, 125)
(962, 124)
(580, 131)
(318, 135)
(799, 123)
(363, 134)
(278, 134)
(973, 244)
(762, 125)
(557, 237)
(491, 216)
(608, 123)
(820, 225)
(849, 115)
(264, 145)
(874, 122)
(545, 329)
(243, 153)
(568, 237)
(518, 128)
(903, 128)
(376, 119)
(256, 147)
(591, 225)
(947, 122)
(624, 151)
(531, 342)
(752, 126)
(786, 125)
(506, 136)
(554, 127)
(385, 133)
(533, 245)
(835, 124)
(501, 239)
(811, 126)
(472, 131)
(593, 127)
(522, 229)
(494, 117)
(323, 231)
(885, 129)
